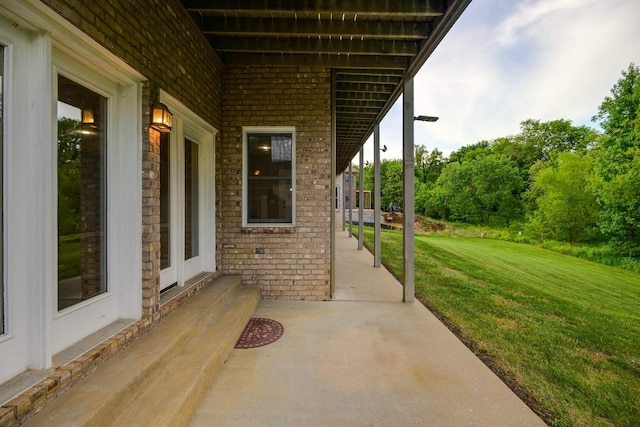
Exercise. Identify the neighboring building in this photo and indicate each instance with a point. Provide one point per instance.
(103, 211)
(350, 189)
(347, 195)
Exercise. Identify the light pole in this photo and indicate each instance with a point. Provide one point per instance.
(408, 190)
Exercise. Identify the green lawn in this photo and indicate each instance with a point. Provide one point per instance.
(564, 331)
(69, 256)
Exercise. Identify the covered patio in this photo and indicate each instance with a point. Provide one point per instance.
(362, 359)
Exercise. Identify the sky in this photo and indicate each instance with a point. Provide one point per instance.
(507, 61)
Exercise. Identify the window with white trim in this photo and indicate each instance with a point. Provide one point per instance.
(268, 176)
(81, 149)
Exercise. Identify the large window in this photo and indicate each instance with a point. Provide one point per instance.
(269, 170)
(82, 124)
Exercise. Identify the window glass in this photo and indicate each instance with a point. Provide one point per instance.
(2, 303)
(165, 201)
(191, 203)
(269, 177)
(81, 144)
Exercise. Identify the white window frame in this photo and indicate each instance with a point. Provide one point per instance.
(123, 167)
(186, 124)
(19, 280)
(34, 34)
(245, 173)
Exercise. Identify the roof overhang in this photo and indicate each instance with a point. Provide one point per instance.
(369, 44)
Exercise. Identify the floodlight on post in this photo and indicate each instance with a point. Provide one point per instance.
(426, 118)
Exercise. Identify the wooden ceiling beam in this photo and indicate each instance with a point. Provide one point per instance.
(357, 126)
(282, 27)
(353, 116)
(311, 8)
(346, 110)
(366, 87)
(314, 60)
(363, 96)
(352, 128)
(313, 45)
(359, 103)
(374, 72)
(359, 78)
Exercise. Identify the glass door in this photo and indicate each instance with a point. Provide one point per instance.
(81, 144)
(191, 208)
(187, 197)
(168, 212)
(95, 259)
(179, 207)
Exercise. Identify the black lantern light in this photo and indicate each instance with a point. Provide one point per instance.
(161, 118)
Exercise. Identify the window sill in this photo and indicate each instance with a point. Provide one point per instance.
(268, 229)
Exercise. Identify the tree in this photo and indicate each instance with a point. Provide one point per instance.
(484, 191)
(618, 163)
(565, 199)
(69, 139)
(543, 141)
(428, 166)
(391, 179)
(470, 152)
(420, 156)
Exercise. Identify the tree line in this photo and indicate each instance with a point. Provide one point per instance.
(553, 179)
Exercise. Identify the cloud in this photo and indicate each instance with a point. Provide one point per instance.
(505, 62)
(527, 18)
(584, 58)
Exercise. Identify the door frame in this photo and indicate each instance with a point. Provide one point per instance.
(187, 125)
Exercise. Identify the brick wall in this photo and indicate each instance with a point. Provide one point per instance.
(296, 261)
(151, 224)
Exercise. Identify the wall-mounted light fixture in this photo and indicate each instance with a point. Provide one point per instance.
(88, 120)
(161, 118)
(426, 118)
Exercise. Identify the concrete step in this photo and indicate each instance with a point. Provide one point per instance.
(160, 378)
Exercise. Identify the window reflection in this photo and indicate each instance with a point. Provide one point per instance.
(190, 199)
(81, 193)
(269, 178)
(165, 201)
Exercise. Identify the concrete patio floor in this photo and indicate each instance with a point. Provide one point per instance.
(362, 359)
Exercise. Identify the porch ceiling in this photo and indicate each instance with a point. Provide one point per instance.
(369, 45)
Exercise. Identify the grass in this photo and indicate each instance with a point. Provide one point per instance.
(600, 252)
(69, 256)
(562, 331)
